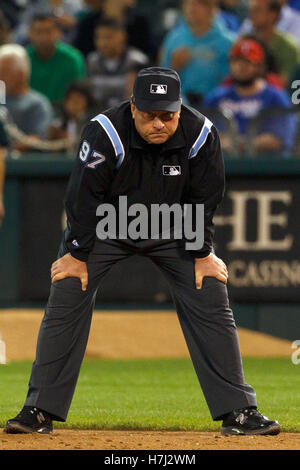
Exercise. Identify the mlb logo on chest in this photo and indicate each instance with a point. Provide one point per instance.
(171, 170)
(158, 89)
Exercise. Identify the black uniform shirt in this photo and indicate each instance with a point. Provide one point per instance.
(113, 160)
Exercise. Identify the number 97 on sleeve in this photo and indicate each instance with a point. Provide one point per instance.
(84, 153)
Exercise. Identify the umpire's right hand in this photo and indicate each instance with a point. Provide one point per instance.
(67, 266)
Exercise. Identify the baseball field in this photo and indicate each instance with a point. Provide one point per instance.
(137, 392)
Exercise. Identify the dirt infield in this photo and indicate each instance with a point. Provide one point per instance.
(146, 440)
(127, 335)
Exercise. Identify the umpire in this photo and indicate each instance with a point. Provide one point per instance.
(153, 150)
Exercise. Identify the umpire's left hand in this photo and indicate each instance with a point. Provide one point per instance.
(210, 266)
(67, 266)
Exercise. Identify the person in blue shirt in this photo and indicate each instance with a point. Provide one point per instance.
(245, 97)
(197, 48)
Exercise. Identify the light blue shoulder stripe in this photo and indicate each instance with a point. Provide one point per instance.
(201, 139)
(113, 135)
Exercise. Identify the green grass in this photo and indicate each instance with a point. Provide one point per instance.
(156, 394)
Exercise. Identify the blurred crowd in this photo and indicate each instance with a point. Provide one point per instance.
(64, 61)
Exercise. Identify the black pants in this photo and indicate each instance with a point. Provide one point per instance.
(205, 317)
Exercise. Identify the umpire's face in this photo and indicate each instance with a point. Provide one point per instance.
(155, 127)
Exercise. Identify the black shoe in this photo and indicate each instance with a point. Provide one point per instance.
(249, 421)
(29, 420)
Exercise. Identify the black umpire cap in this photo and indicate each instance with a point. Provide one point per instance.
(157, 89)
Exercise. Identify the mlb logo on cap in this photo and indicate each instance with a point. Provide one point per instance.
(159, 89)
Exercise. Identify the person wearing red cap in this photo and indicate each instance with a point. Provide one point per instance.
(246, 96)
(269, 69)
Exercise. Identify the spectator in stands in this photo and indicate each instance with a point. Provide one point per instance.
(268, 68)
(124, 11)
(249, 94)
(31, 111)
(76, 109)
(288, 22)
(5, 33)
(198, 50)
(85, 28)
(65, 12)
(263, 20)
(108, 65)
(137, 25)
(54, 64)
